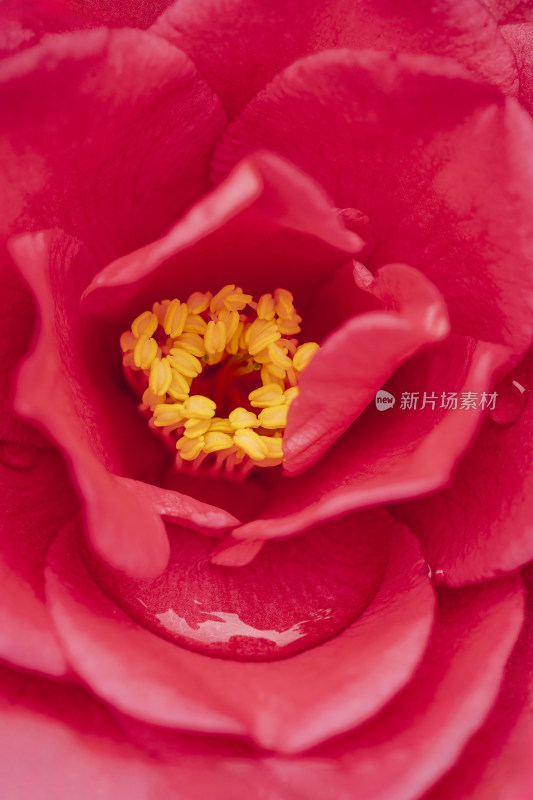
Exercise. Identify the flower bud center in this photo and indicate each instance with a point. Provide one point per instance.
(217, 375)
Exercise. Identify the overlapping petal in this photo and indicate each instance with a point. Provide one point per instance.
(238, 48)
(439, 163)
(106, 134)
(481, 525)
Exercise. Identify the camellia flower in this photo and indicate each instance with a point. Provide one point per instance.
(267, 289)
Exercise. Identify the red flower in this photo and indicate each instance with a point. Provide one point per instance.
(175, 630)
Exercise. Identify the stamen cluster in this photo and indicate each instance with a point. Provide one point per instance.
(173, 343)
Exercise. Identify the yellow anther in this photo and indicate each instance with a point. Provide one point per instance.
(242, 335)
(304, 354)
(284, 303)
(196, 427)
(266, 396)
(275, 371)
(160, 310)
(241, 418)
(217, 302)
(215, 337)
(220, 425)
(230, 319)
(266, 308)
(144, 352)
(251, 443)
(190, 448)
(266, 333)
(290, 326)
(199, 406)
(168, 414)
(151, 400)
(175, 318)
(291, 394)
(160, 376)
(184, 362)
(128, 360)
(237, 301)
(278, 356)
(232, 345)
(179, 387)
(255, 328)
(216, 440)
(192, 343)
(274, 446)
(199, 301)
(268, 377)
(274, 417)
(127, 341)
(195, 324)
(290, 344)
(144, 325)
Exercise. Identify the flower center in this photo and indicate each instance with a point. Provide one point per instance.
(226, 353)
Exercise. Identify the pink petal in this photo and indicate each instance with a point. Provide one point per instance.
(482, 524)
(519, 39)
(358, 358)
(24, 24)
(237, 46)
(106, 134)
(37, 500)
(392, 455)
(58, 743)
(497, 761)
(155, 681)
(441, 165)
(266, 225)
(123, 528)
(402, 751)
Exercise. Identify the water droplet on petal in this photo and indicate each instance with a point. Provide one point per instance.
(512, 398)
(16, 455)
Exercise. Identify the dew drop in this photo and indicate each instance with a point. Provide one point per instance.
(512, 398)
(16, 455)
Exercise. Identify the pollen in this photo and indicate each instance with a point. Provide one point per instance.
(192, 359)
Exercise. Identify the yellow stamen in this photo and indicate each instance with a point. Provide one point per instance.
(266, 308)
(145, 324)
(284, 303)
(265, 396)
(193, 343)
(279, 357)
(189, 449)
(199, 406)
(179, 387)
(195, 324)
(304, 354)
(167, 414)
(160, 376)
(220, 425)
(291, 394)
(144, 352)
(217, 302)
(199, 302)
(216, 440)
(196, 427)
(241, 418)
(215, 337)
(251, 443)
(127, 341)
(274, 446)
(175, 342)
(274, 417)
(184, 362)
(175, 318)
